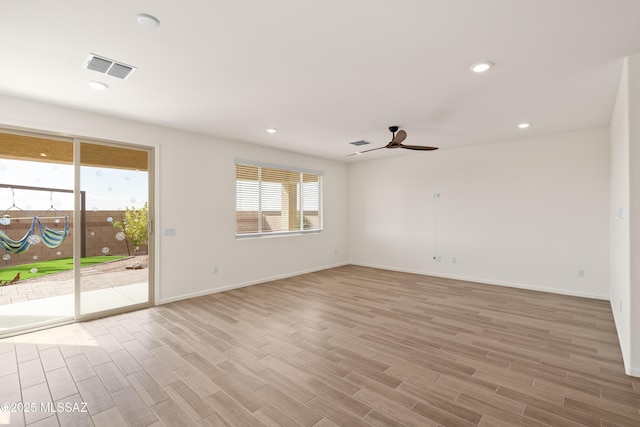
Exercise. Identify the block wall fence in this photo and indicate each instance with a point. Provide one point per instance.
(100, 237)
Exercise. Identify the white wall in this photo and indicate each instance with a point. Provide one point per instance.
(528, 213)
(625, 214)
(620, 243)
(200, 178)
(196, 174)
(633, 366)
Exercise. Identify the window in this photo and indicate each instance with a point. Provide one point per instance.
(274, 200)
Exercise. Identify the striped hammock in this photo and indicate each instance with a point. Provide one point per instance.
(51, 237)
(18, 246)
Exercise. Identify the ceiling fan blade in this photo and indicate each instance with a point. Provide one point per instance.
(396, 142)
(418, 147)
(365, 151)
(372, 149)
(400, 136)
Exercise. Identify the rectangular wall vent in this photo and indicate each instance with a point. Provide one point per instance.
(109, 66)
(359, 143)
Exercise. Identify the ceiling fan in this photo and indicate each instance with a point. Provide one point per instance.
(396, 142)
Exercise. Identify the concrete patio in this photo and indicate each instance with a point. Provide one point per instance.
(35, 302)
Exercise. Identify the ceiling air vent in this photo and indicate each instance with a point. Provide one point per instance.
(359, 143)
(109, 66)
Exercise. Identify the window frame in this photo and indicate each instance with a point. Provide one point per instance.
(285, 169)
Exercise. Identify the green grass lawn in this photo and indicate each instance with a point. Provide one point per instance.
(50, 267)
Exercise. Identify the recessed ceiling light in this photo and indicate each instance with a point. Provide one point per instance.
(481, 67)
(147, 20)
(272, 130)
(524, 125)
(97, 85)
(43, 154)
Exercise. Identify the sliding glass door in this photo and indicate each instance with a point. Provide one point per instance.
(75, 230)
(115, 210)
(36, 231)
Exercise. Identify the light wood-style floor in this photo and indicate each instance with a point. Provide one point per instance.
(347, 346)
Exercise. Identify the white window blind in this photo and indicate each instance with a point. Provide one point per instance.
(276, 200)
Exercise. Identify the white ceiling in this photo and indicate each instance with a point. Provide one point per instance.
(329, 72)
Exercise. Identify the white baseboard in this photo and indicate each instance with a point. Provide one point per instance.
(489, 282)
(634, 372)
(628, 369)
(384, 267)
(245, 284)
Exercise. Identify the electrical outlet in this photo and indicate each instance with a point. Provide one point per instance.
(453, 260)
(581, 273)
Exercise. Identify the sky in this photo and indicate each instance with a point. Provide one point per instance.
(106, 188)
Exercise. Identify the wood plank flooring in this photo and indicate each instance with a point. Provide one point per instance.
(349, 346)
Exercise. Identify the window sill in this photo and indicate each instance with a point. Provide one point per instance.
(278, 234)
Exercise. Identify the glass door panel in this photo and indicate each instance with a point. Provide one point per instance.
(115, 211)
(36, 231)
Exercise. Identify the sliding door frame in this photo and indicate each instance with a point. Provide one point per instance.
(77, 315)
(77, 244)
